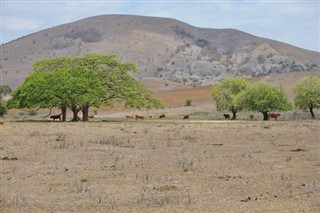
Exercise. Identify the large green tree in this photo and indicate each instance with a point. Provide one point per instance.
(307, 94)
(263, 98)
(224, 94)
(73, 88)
(76, 83)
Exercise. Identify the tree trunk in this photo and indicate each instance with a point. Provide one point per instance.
(85, 113)
(234, 114)
(265, 116)
(75, 111)
(312, 113)
(64, 113)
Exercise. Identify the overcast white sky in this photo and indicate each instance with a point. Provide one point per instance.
(295, 22)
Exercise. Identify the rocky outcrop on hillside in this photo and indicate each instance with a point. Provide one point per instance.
(161, 47)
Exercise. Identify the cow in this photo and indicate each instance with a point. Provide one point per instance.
(274, 115)
(129, 116)
(54, 117)
(186, 117)
(151, 116)
(162, 116)
(226, 116)
(1, 122)
(90, 116)
(139, 116)
(251, 116)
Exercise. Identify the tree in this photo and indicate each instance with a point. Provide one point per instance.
(224, 94)
(4, 90)
(60, 88)
(78, 83)
(263, 98)
(307, 94)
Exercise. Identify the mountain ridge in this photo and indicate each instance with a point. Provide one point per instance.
(161, 47)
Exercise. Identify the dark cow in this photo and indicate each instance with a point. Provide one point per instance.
(226, 116)
(90, 116)
(162, 116)
(274, 115)
(186, 117)
(129, 116)
(54, 117)
(139, 116)
(251, 116)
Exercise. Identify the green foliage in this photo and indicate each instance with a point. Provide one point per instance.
(3, 108)
(263, 98)
(4, 90)
(81, 82)
(224, 94)
(188, 102)
(307, 92)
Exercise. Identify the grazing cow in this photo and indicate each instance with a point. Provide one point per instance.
(185, 117)
(1, 122)
(129, 116)
(151, 116)
(162, 116)
(226, 116)
(251, 116)
(54, 117)
(274, 115)
(139, 116)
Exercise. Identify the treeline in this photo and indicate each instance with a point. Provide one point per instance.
(236, 94)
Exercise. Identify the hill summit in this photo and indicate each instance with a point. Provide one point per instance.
(160, 47)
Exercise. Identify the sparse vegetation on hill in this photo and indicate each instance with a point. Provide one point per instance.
(163, 48)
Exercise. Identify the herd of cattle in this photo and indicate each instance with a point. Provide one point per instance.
(274, 115)
(141, 116)
(271, 115)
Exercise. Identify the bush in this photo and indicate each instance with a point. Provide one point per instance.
(188, 102)
(3, 108)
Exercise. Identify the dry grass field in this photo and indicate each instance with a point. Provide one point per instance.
(160, 166)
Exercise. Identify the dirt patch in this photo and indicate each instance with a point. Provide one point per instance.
(160, 166)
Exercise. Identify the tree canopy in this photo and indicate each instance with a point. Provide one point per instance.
(78, 83)
(224, 94)
(307, 93)
(263, 98)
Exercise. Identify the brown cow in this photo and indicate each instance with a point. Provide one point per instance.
(129, 116)
(186, 117)
(54, 117)
(90, 116)
(1, 122)
(251, 116)
(139, 116)
(274, 115)
(226, 116)
(162, 116)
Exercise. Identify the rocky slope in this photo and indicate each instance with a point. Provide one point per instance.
(161, 47)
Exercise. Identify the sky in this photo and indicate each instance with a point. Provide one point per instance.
(295, 22)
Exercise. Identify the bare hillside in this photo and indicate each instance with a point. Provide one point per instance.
(165, 48)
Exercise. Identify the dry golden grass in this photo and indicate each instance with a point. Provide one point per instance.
(160, 166)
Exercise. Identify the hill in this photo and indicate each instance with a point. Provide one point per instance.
(161, 47)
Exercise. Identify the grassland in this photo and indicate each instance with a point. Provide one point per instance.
(160, 166)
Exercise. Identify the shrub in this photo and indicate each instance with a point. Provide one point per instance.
(188, 102)
(3, 108)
